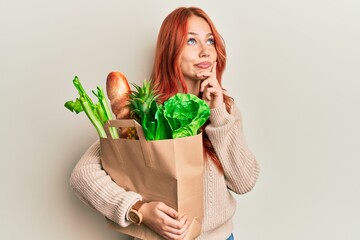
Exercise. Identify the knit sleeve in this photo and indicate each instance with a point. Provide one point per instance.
(94, 187)
(225, 132)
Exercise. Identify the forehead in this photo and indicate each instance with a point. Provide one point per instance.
(198, 25)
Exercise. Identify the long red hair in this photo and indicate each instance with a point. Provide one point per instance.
(167, 75)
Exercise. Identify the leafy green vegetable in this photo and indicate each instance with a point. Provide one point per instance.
(148, 113)
(180, 116)
(185, 113)
(74, 106)
(163, 130)
(98, 113)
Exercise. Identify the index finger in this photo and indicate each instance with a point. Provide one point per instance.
(183, 220)
(168, 211)
(213, 70)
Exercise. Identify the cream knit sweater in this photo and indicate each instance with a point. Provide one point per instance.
(95, 188)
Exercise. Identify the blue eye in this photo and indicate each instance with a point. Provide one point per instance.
(191, 41)
(210, 41)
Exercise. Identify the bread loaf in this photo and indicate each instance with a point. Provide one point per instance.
(118, 90)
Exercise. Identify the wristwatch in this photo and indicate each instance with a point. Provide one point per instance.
(134, 215)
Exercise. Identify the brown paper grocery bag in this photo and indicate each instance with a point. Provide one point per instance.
(168, 170)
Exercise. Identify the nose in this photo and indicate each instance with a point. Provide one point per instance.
(204, 51)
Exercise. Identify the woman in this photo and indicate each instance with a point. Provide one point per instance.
(190, 57)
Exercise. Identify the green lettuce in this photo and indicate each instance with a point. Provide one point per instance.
(181, 115)
(185, 113)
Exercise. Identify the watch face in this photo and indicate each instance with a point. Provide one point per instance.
(134, 217)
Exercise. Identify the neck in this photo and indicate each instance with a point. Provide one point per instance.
(193, 87)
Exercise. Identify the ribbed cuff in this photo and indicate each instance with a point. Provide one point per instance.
(218, 115)
(130, 202)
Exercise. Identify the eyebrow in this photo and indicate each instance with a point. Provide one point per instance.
(193, 33)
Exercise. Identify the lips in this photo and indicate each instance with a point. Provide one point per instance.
(203, 65)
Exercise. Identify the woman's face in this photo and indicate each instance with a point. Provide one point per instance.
(199, 53)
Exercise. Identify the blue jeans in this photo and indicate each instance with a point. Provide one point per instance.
(231, 237)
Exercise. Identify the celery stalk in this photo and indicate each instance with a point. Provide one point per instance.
(98, 113)
(82, 92)
(92, 116)
(105, 110)
(101, 114)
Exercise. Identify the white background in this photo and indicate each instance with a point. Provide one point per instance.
(293, 68)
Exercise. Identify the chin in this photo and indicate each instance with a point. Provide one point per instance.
(202, 78)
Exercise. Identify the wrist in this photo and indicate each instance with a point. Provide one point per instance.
(135, 215)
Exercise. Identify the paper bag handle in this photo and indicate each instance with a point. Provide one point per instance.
(126, 123)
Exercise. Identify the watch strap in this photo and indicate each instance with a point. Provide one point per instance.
(137, 205)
